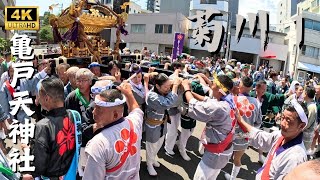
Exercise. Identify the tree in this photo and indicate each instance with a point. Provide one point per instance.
(4, 45)
(45, 34)
(46, 16)
(186, 50)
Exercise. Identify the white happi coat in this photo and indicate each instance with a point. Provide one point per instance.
(107, 148)
(287, 157)
(251, 113)
(217, 116)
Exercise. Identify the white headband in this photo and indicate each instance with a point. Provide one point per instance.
(116, 102)
(300, 111)
(97, 89)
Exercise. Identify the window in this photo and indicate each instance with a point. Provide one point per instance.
(310, 51)
(316, 25)
(287, 29)
(311, 24)
(315, 3)
(138, 28)
(308, 24)
(208, 1)
(163, 28)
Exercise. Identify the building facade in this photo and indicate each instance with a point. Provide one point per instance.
(153, 5)
(4, 33)
(286, 9)
(305, 61)
(154, 31)
(226, 7)
(32, 34)
(134, 8)
(181, 6)
(312, 6)
(248, 49)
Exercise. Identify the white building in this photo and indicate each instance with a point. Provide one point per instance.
(134, 8)
(196, 5)
(307, 60)
(4, 33)
(286, 9)
(248, 50)
(154, 30)
(32, 34)
(153, 5)
(107, 2)
(310, 6)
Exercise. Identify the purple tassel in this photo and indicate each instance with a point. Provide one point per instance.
(72, 33)
(123, 31)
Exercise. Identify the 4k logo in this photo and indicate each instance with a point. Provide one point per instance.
(22, 18)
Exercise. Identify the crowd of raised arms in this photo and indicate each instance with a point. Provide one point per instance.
(106, 115)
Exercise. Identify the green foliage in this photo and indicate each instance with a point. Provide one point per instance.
(45, 34)
(46, 18)
(186, 50)
(4, 45)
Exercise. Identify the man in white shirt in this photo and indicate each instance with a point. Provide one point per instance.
(285, 147)
(114, 152)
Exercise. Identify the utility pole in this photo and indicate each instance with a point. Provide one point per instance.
(227, 53)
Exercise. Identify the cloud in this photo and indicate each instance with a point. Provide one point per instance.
(252, 6)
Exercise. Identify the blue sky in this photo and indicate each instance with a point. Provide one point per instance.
(245, 6)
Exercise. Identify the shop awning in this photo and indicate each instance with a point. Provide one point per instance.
(268, 54)
(275, 51)
(309, 67)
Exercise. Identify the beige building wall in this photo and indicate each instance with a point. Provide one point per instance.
(149, 38)
(4, 33)
(310, 6)
(312, 38)
(249, 49)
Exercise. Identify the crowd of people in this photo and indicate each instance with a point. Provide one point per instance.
(90, 124)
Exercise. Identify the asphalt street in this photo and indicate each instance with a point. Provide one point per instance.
(176, 168)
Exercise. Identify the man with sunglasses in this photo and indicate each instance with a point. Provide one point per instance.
(285, 147)
(80, 99)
